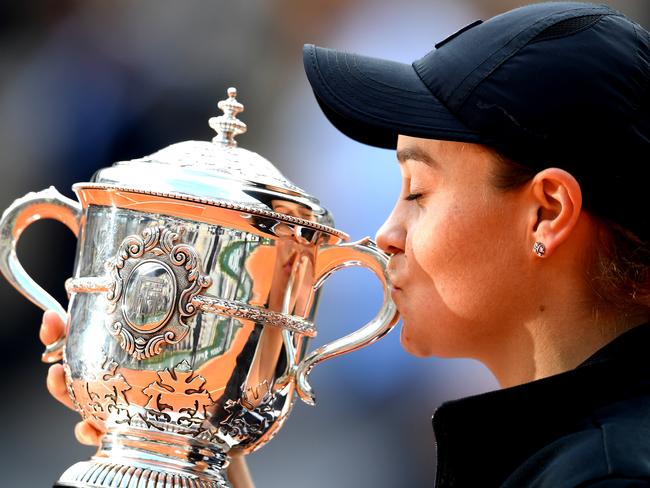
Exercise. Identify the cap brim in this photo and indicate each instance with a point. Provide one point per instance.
(373, 100)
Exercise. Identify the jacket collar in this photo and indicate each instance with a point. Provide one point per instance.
(484, 438)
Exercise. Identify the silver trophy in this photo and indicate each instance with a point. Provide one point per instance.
(192, 301)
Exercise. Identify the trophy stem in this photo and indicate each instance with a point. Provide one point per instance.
(134, 457)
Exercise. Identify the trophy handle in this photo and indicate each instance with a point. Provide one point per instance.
(330, 259)
(45, 204)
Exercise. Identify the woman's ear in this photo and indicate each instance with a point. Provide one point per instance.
(557, 202)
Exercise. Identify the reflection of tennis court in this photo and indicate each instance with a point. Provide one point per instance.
(215, 339)
(231, 263)
(149, 295)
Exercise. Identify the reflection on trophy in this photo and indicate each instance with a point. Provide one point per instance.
(192, 301)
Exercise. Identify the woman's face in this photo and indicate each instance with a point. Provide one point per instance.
(460, 248)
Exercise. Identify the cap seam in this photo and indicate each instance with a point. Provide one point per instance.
(384, 122)
(361, 77)
(431, 91)
(352, 95)
(463, 95)
(358, 75)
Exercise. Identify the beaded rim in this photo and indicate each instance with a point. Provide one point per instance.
(220, 203)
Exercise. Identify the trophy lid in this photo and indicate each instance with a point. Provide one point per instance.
(218, 172)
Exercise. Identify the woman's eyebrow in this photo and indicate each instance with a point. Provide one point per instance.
(415, 154)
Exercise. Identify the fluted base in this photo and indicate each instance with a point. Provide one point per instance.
(139, 458)
(98, 474)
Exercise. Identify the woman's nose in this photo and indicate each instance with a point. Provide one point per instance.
(391, 235)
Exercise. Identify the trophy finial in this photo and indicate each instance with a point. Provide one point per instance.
(228, 126)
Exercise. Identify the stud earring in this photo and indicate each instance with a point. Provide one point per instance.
(539, 249)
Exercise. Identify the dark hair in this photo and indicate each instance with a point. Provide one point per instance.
(620, 270)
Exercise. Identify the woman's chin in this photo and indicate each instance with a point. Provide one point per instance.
(425, 344)
(412, 345)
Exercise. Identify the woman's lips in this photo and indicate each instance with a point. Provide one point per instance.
(394, 291)
(391, 270)
(393, 281)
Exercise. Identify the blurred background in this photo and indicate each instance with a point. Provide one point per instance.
(86, 83)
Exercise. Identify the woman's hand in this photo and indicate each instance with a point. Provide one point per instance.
(52, 329)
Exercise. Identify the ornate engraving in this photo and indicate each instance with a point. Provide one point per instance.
(100, 395)
(178, 396)
(177, 401)
(244, 311)
(253, 393)
(87, 284)
(248, 423)
(150, 296)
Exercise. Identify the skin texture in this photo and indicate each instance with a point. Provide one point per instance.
(466, 279)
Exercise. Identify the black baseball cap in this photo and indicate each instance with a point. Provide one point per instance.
(560, 84)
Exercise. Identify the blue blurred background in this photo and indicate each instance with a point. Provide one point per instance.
(86, 83)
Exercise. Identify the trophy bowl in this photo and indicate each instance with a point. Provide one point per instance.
(191, 305)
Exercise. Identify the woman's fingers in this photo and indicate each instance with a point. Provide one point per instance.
(52, 328)
(56, 385)
(51, 331)
(87, 434)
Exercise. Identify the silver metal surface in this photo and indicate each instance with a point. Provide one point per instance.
(218, 171)
(45, 204)
(228, 126)
(292, 213)
(190, 312)
(331, 259)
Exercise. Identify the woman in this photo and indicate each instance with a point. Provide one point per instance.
(520, 237)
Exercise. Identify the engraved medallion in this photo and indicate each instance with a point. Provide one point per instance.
(149, 296)
(154, 279)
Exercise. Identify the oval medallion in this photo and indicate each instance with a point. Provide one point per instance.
(149, 296)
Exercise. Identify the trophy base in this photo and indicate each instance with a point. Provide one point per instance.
(130, 458)
(98, 474)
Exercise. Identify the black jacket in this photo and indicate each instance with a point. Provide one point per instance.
(588, 427)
